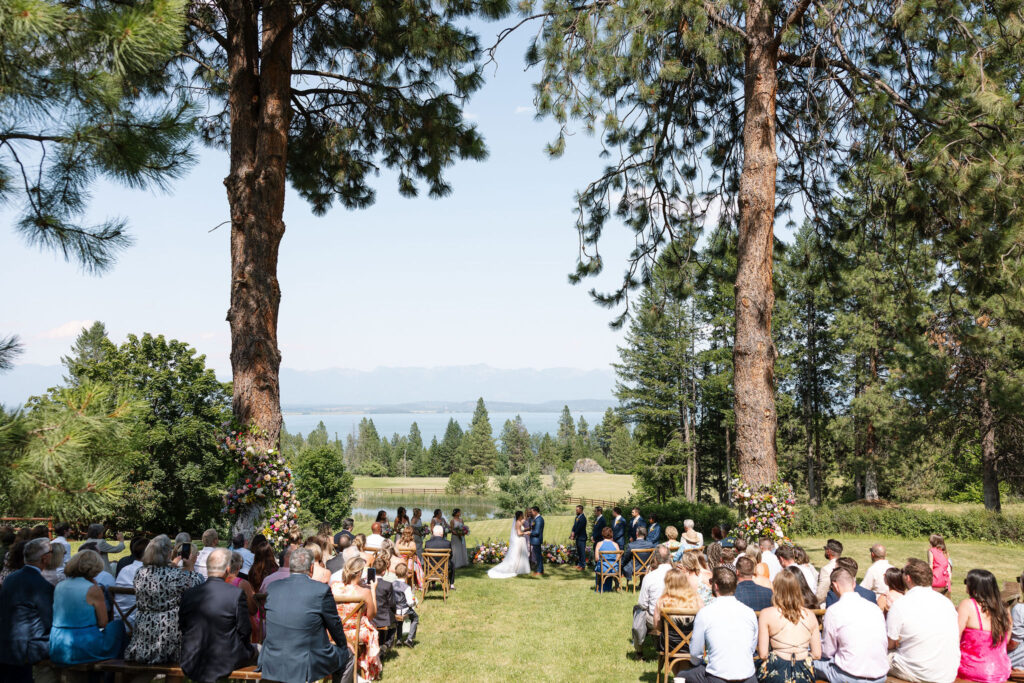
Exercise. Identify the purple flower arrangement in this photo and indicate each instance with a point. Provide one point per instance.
(768, 512)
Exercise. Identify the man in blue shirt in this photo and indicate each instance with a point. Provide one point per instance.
(850, 565)
(749, 593)
(724, 636)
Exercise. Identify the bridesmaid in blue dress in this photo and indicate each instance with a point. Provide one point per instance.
(81, 630)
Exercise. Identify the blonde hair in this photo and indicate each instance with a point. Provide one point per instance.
(689, 562)
(407, 534)
(210, 538)
(353, 569)
(401, 570)
(678, 592)
(672, 533)
(56, 557)
(315, 549)
(86, 564)
(359, 541)
(788, 596)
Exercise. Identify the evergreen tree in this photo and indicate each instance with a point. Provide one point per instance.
(516, 450)
(605, 429)
(477, 452)
(623, 452)
(86, 352)
(567, 444)
(448, 450)
(318, 437)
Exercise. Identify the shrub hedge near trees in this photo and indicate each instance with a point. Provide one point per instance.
(674, 510)
(967, 525)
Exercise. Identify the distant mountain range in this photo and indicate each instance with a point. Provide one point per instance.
(442, 389)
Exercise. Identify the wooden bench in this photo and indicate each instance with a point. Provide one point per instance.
(120, 669)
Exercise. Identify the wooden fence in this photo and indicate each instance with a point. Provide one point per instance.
(572, 500)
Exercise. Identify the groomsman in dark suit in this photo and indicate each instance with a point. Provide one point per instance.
(635, 523)
(653, 530)
(579, 534)
(599, 525)
(618, 528)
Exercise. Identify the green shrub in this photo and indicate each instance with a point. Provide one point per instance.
(475, 482)
(969, 525)
(673, 511)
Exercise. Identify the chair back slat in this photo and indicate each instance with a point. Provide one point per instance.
(353, 617)
(641, 564)
(436, 568)
(600, 558)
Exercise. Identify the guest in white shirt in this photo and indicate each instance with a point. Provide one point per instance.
(854, 647)
(126, 578)
(238, 545)
(833, 551)
(651, 589)
(62, 529)
(768, 557)
(724, 636)
(923, 631)
(691, 539)
(375, 539)
(874, 577)
(210, 541)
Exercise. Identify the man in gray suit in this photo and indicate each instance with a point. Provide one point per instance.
(300, 614)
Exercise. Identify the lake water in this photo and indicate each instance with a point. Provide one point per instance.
(430, 424)
(369, 502)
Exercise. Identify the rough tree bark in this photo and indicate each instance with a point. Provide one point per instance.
(753, 350)
(990, 475)
(259, 51)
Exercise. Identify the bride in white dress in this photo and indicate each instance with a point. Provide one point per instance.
(517, 559)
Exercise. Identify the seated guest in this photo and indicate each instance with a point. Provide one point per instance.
(804, 562)
(810, 599)
(159, 585)
(375, 539)
(126, 578)
(855, 648)
(698, 574)
(850, 565)
(239, 545)
(728, 558)
(717, 535)
(714, 554)
(788, 639)
(294, 537)
(346, 531)
(405, 605)
(233, 578)
(26, 613)
(14, 560)
(650, 591)
(923, 631)
(740, 546)
(320, 572)
(761, 571)
(608, 564)
(384, 593)
(1016, 646)
(356, 549)
(387, 550)
(896, 588)
(6, 541)
(653, 530)
(630, 566)
(61, 531)
(406, 548)
(438, 543)
(82, 629)
(691, 539)
(747, 591)
(677, 595)
(263, 565)
(104, 578)
(724, 636)
(984, 630)
(95, 533)
(337, 563)
(54, 571)
(874, 577)
(768, 557)
(210, 542)
(215, 624)
(300, 615)
(833, 551)
(282, 572)
(672, 534)
(351, 586)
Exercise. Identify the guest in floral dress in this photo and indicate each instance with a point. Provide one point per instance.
(369, 645)
(697, 576)
(159, 585)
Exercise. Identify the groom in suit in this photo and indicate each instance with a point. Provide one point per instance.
(579, 534)
(536, 539)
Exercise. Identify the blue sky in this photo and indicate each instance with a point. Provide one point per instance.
(478, 277)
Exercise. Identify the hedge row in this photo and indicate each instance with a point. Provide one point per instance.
(674, 511)
(973, 525)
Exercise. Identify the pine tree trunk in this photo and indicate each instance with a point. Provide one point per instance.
(871, 483)
(753, 350)
(990, 477)
(260, 114)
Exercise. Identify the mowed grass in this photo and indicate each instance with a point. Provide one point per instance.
(598, 485)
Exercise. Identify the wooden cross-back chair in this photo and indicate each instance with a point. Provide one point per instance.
(436, 568)
(353, 618)
(407, 557)
(819, 614)
(615, 572)
(641, 565)
(673, 625)
(122, 613)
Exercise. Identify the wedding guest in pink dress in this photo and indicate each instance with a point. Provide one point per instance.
(984, 630)
(942, 570)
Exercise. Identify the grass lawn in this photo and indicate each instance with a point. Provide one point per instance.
(602, 486)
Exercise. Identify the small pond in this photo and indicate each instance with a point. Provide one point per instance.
(369, 502)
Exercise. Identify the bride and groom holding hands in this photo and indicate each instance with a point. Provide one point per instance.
(524, 543)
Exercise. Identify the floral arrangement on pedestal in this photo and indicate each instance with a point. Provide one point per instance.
(768, 512)
(265, 482)
(493, 552)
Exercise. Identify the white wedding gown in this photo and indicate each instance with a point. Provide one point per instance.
(517, 559)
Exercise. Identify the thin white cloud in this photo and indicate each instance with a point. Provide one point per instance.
(523, 110)
(470, 116)
(68, 330)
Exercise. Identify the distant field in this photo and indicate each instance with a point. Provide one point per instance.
(605, 486)
(947, 506)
